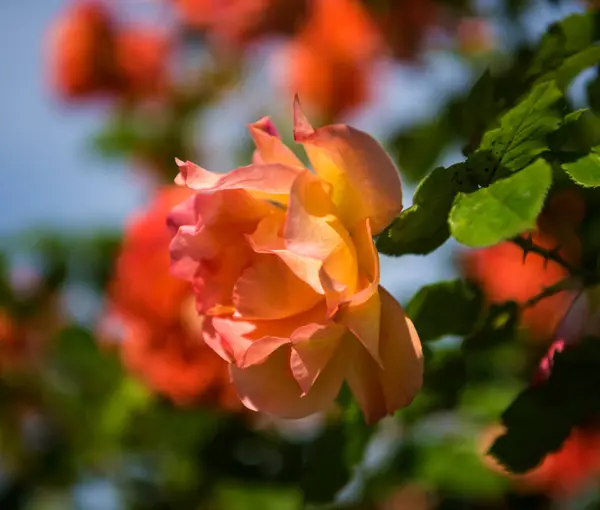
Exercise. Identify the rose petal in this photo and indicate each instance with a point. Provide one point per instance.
(250, 342)
(313, 345)
(183, 213)
(271, 388)
(267, 289)
(313, 230)
(263, 181)
(383, 390)
(269, 147)
(364, 179)
(364, 321)
(266, 239)
(188, 247)
(214, 340)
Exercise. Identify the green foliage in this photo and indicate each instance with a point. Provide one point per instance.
(445, 308)
(494, 328)
(566, 49)
(502, 210)
(422, 227)
(523, 130)
(250, 497)
(438, 466)
(585, 171)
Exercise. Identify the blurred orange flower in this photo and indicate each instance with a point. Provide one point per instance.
(80, 50)
(90, 54)
(163, 341)
(141, 60)
(503, 274)
(331, 58)
(235, 22)
(474, 36)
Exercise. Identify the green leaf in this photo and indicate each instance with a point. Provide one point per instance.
(423, 227)
(585, 171)
(503, 210)
(445, 308)
(251, 497)
(565, 50)
(572, 66)
(523, 130)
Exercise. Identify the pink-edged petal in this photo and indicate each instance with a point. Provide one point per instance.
(269, 147)
(364, 179)
(233, 335)
(188, 247)
(251, 342)
(313, 345)
(381, 391)
(215, 279)
(182, 214)
(214, 340)
(271, 178)
(269, 290)
(271, 388)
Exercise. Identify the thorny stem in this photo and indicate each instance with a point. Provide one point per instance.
(528, 246)
(569, 283)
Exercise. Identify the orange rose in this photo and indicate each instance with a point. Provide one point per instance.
(90, 54)
(80, 50)
(503, 274)
(331, 58)
(163, 336)
(141, 61)
(284, 267)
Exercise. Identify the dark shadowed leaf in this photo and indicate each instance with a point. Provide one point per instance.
(423, 227)
(444, 308)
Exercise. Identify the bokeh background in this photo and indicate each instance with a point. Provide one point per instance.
(84, 427)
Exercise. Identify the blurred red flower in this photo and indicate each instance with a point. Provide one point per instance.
(80, 50)
(141, 60)
(90, 54)
(503, 274)
(23, 340)
(405, 24)
(163, 334)
(331, 57)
